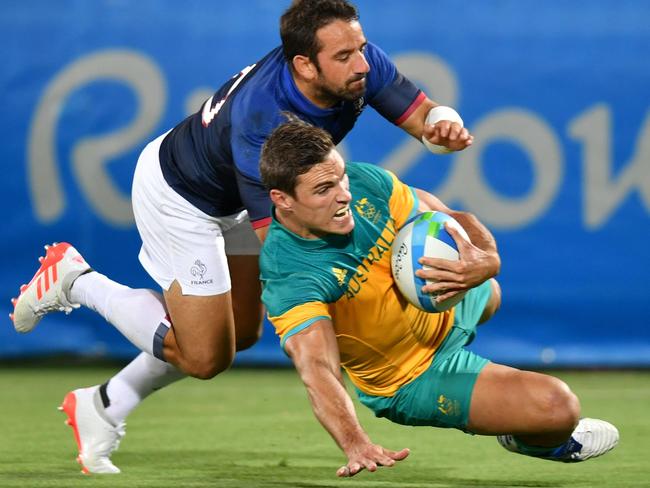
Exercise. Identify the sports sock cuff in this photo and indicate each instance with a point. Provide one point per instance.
(158, 341)
(99, 407)
(103, 394)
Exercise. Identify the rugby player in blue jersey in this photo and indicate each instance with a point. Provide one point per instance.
(196, 192)
(407, 365)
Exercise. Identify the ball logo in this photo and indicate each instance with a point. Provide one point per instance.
(423, 235)
(398, 260)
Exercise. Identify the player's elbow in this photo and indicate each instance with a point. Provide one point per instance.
(494, 302)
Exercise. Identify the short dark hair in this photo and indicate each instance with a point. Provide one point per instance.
(299, 23)
(291, 150)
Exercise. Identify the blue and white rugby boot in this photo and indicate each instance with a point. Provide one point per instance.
(591, 438)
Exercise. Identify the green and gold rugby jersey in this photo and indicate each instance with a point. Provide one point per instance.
(384, 341)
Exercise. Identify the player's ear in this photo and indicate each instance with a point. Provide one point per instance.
(303, 66)
(280, 199)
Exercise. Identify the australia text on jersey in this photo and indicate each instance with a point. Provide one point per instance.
(380, 249)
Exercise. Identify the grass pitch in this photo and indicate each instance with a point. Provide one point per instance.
(254, 428)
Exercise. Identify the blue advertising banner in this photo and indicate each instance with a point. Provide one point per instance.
(556, 94)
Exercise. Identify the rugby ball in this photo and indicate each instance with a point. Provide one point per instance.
(423, 235)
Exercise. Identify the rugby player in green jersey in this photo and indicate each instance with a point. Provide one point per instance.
(328, 288)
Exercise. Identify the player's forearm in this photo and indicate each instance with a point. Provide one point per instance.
(480, 236)
(333, 407)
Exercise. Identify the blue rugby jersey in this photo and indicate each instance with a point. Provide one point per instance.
(212, 157)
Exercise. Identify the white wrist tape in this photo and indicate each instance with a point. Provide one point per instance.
(436, 114)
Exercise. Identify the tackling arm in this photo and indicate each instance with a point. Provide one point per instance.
(315, 354)
(448, 134)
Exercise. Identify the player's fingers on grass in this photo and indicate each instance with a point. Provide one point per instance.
(384, 459)
(354, 468)
(348, 470)
(370, 466)
(398, 455)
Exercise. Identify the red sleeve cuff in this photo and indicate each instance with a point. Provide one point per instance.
(416, 103)
(261, 223)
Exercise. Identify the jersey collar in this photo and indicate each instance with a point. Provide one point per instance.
(333, 240)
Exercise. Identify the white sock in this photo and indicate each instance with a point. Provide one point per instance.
(139, 379)
(139, 314)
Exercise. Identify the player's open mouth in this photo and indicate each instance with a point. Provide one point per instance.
(343, 212)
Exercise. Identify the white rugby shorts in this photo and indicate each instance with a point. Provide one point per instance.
(179, 241)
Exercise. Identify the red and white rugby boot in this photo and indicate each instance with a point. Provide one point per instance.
(48, 290)
(96, 437)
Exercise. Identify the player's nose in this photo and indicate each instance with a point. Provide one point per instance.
(361, 65)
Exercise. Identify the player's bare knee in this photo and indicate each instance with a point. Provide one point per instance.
(206, 371)
(207, 367)
(248, 338)
(559, 406)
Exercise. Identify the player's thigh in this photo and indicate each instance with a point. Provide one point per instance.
(246, 299)
(184, 251)
(243, 249)
(438, 397)
(203, 325)
(506, 400)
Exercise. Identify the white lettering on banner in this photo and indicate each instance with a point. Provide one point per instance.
(535, 137)
(91, 154)
(603, 193)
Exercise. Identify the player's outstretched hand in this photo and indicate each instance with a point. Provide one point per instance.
(370, 456)
(448, 134)
(451, 277)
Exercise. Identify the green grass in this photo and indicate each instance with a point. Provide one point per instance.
(254, 428)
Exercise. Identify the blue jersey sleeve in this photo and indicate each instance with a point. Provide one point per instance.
(390, 93)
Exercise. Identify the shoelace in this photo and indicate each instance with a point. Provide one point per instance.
(116, 434)
(120, 431)
(51, 306)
